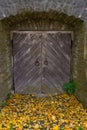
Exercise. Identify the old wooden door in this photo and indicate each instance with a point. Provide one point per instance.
(27, 66)
(41, 61)
(56, 55)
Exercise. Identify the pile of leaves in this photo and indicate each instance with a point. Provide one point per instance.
(28, 112)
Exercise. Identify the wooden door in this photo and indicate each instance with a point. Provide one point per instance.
(56, 53)
(41, 61)
(27, 66)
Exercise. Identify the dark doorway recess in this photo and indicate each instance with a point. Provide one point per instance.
(41, 61)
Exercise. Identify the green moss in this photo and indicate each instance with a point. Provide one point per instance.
(78, 57)
(36, 16)
(8, 96)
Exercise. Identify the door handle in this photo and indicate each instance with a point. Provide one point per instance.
(46, 62)
(37, 63)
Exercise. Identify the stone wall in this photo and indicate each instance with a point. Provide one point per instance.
(5, 69)
(71, 7)
(44, 15)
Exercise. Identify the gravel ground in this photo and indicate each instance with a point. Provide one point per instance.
(28, 112)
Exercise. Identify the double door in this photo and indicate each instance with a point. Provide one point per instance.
(41, 61)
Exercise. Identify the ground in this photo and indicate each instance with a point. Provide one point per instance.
(28, 112)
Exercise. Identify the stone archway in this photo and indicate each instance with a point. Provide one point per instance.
(51, 20)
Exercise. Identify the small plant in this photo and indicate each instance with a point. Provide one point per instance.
(12, 127)
(4, 103)
(8, 96)
(80, 128)
(70, 87)
(61, 128)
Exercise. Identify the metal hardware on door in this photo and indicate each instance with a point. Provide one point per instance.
(46, 62)
(37, 63)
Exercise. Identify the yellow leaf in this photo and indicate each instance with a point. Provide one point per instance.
(56, 127)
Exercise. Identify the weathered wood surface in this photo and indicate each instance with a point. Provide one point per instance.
(41, 61)
(27, 75)
(56, 50)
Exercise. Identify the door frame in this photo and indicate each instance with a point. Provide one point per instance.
(71, 32)
(42, 31)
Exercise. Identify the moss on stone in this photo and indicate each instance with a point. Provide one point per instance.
(36, 16)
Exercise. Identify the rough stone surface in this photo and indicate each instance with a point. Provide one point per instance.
(5, 78)
(71, 7)
(77, 8)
